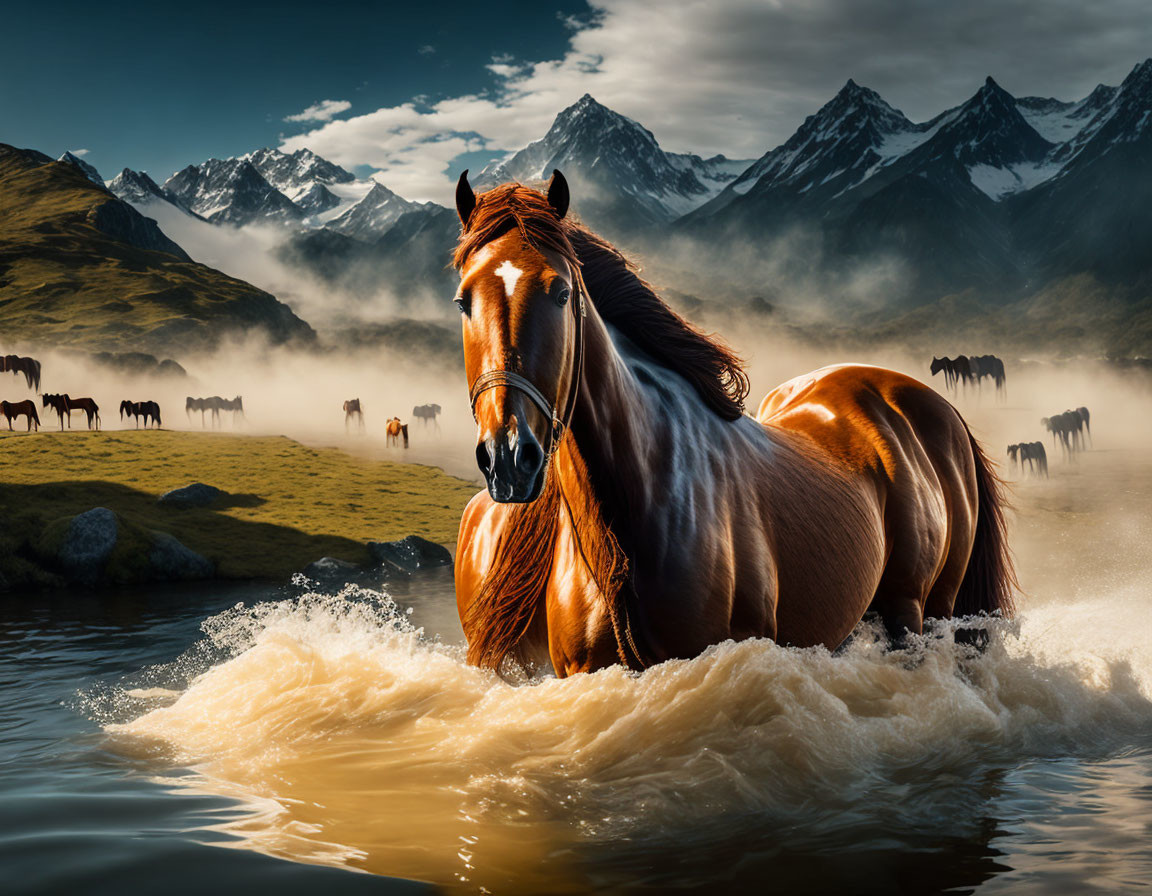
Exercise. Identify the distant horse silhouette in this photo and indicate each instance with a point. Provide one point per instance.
(149, 410)
(1068, 428)
(1033, 454)
(427, 412)
(1087, 418)
(215, 404)
(352, 409)
(990, 366)
(30, 367)
(394, 430)
(64, 405)
(957, 371)
(25, 408)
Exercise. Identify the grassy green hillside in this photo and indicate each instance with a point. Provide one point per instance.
(289, 504)
(80, 267)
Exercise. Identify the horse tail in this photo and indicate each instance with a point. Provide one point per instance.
(990, 579)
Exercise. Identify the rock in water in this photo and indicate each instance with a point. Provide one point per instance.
(195, 495)
(410, 554)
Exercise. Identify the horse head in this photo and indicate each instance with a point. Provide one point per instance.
(937, 365)
(523, 329)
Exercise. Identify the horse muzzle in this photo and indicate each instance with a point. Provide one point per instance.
(513, 466)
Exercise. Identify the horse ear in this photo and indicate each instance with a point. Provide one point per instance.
(558, 195)
(465, 199)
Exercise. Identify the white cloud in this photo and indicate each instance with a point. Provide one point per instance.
(325, 110)
(426, 50)
(79, 153)
(738, 76)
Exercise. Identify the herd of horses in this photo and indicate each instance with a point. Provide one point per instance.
(968, 371)
(1069, 427)
(395, 430)
(213, 405)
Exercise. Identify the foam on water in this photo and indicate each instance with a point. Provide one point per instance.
(380, 748)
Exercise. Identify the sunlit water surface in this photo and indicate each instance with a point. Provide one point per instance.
(141, 738)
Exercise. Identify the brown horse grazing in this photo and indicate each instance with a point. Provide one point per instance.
(613, 531)
(25, 408)
(352, 409)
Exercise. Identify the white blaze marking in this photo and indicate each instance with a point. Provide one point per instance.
(509, 273)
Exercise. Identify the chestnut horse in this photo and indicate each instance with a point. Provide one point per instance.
(394, 431)
(633, 514)
(25, 408)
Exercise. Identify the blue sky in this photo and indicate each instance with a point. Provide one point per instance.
(417, 91)
(156, 86)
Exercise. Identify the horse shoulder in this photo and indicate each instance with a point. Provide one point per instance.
(476, 544)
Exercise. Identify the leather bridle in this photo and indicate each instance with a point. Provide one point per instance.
(558, 425)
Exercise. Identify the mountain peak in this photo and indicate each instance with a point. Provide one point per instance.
(84, 168)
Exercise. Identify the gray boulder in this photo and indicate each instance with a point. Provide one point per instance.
(170, 560)
(410, 554)
(99, 548)
(88, 543)
(195, 495)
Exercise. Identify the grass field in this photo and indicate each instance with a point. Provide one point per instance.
(289, 504)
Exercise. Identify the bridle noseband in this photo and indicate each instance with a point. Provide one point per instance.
(557, 426)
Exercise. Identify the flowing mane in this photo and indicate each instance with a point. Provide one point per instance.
(612, 284)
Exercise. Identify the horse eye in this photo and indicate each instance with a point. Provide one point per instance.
(563, 296)
(464, 301)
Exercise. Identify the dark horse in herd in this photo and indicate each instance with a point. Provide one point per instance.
(64, 405)
(30, 367)
(149, 410)
(427, 413)
(966, 371)
(633, 513)
(1069, 428)
(26, 408)
(215, 405)
(1031, 453)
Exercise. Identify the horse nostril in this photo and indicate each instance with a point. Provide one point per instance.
(484, 457)
(529, 457)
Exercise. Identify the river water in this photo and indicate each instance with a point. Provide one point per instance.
(298, 736)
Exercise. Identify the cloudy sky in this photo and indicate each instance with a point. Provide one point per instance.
(419, 92)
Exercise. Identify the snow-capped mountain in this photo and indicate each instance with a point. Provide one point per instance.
(373, 215)
(138, 188)
(232, 191)
(618, 171)
(1095, 214)
(297, 174)
(847, 140)
(1001, 152)
(89, 171)
(315, 200)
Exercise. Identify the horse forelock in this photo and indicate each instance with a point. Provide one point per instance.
(613, 286)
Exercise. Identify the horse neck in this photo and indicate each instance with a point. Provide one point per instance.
(612, 434)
